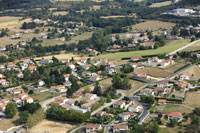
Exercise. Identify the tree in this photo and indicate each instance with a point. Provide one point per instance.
(23, 117)
(11, 109)
(174, 122)
(97, 89)
(153, 127)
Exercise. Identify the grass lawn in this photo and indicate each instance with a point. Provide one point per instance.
(134, 86)
(170, 130)
(138, 0)
(60, 56)
(42, 96)
(169, 47)
(153, 25)
(160, 4)
(83, 36)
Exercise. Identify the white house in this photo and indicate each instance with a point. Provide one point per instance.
(135, 108)
(72, 66)
(41, 83)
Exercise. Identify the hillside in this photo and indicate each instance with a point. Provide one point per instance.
(13, 4)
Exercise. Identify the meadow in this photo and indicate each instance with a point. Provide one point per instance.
(169, 47)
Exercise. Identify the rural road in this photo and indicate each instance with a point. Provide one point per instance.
(184, 47)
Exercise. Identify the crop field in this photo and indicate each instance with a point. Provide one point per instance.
(160, 4)
(153, 25)
(169, 47)
(83, 36)
(118, 16)
(51, 127)
(60, 56)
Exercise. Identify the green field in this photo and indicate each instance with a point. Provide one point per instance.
(169, 47)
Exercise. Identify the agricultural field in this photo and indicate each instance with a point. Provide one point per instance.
(176, 108)
(51, 127)
(156, 72)
(117, 16)
(194, 47)
(134, 86)
(153, 25)
(42, 96)
(192, 99)
(60, 13)
(60, 56)
(161, 4)
(193, 72)
(169, 47)
(83, 36)
(12, 23)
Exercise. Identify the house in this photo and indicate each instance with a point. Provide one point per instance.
(28, 99)
(66, 106)
(94, 78)
(86, 74)
(184, 84)
(86, 66)
(32, 68)
(88, 105)
(163, 84)
(116, 47)
(135, 108)
(66, 76)
(100, 113)
(102, 60)
(107, 115)
(62, 39)
(4, 82)
(16, 91)
(140, 75)
(90, 96)
(22, 96)
(71, 101)
(93, 128)
(148, 44)
(83, 60)
(167, 90)
(147, 92)
(136, 58)
(67, 84)
(136, 65)
(20, 75)
(94, 53)
(110, 70)
(175, 115)
(65, 60)
(72, 66)
(165, 63)
(2, 49)
(131, 45)
(154, 59)
(183, 77)
(119, 104)
(61, 88)
(120, 128)
(125, 116)
(2, 108)
(5, 101)
(41, 83)
(46, 61)
(162, 101)
(62, 99)
(58, 103)
(17, 101)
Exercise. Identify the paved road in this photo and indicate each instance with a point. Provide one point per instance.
(184, 47)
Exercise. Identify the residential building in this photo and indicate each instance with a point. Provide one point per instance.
(93, 128)
(119, 104)
(120, 128)
(135, 108)
(175, 115)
